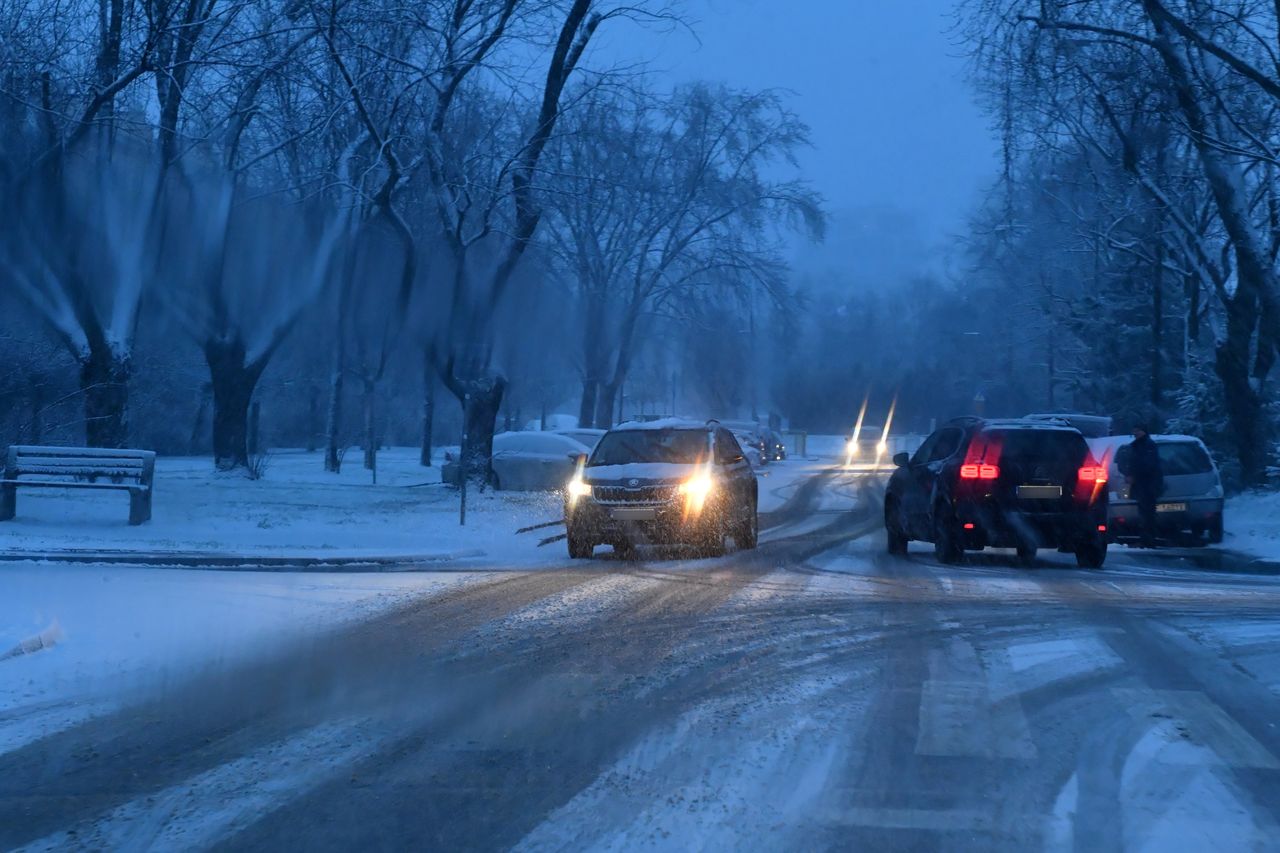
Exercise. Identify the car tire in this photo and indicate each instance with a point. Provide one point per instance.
(1091, 556)
(897, 539)
(1026, 555)
(580, 548)
(1215, 531)
(946, 544)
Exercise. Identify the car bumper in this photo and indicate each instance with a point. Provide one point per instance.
(993, 526)
(1200, 516)
(659, 524)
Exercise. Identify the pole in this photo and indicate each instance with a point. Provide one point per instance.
(463, 461)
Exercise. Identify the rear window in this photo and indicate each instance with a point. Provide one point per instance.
(1057, 451)
(679, 446)
(1183, 457)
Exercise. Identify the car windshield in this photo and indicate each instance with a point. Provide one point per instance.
(680, 446)
(1183, 457)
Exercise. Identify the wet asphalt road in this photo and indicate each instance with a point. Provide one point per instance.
(813, 694)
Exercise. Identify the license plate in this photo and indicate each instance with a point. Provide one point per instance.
(1040, 493)
(634, 514)
(1171, 507)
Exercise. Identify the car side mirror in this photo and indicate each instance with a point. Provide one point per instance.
(902, 460)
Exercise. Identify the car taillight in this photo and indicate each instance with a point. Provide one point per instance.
(1093, 474)
(979, 472)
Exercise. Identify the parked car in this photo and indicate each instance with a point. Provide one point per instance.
(1022, 484)
(752, 446)
(583, 435)
(775, 447)
(1190, 508)
(527, 461)
(664, 482)
(1090, 426)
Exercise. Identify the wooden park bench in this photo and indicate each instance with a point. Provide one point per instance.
(79, 468)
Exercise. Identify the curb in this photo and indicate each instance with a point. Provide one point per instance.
(246, 562)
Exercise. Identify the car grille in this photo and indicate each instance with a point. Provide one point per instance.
(634, 495)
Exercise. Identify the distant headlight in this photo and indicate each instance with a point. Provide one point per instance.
(579, 489)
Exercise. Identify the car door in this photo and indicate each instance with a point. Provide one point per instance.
(922, 478)
(736, 472)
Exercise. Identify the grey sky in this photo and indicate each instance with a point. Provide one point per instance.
(880, 83)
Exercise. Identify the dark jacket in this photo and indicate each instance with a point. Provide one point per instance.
(1145, 473)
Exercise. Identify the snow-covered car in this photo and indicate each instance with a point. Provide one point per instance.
(528, 461)
(589, 437)
(752, 447)
(666, 482)
(1189, 508)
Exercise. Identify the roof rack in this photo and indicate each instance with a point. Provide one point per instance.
(965, 419)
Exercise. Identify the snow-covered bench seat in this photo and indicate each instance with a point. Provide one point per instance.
(79, 468)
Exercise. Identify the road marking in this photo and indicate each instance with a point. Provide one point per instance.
(1194, 718)
(212, 805)
(959, 716)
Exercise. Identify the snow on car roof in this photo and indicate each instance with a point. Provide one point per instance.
(662, 423)
(1019, 423)
(1121, 440)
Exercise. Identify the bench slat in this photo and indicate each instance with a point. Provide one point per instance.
(43, 471)
(63, 484)
(94, 452)
(69, 462)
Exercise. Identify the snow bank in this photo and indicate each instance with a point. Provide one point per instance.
(296, 509)
(1252, 524)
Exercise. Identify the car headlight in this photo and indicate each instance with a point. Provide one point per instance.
(579, 489)
(697, 487)
(1215, 491)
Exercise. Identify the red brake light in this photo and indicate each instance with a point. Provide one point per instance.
(1093, 473)
(974, 471)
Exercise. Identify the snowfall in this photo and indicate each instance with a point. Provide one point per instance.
(94, 613)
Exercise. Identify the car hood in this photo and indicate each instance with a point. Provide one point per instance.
(648, 473)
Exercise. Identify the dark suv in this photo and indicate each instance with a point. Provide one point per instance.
(663, 482)
(1021, 484)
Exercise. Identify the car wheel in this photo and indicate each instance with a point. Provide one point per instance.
(1215, 531)
(1091, 556)
(1026, 555)
(946, 545)
(893, 532)
(747, 535)
(580, 548)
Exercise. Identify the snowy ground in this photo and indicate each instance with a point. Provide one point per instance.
(297, 508)
(1252, 522)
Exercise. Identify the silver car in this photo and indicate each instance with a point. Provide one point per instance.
(1190, 507)
(528, 461)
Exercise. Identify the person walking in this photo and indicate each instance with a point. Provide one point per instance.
(1146, 481)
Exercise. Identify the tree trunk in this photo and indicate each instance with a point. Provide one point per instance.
(428, 412)
(197, 445)
(233, 384)
(313, 417)
(333, 422)
(481, 403)
(104, 382)
(605, 403)
(1157, 330)
(255, 425)
(35, 428)
(370, 433)
(1244, 405)
(587, 410)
